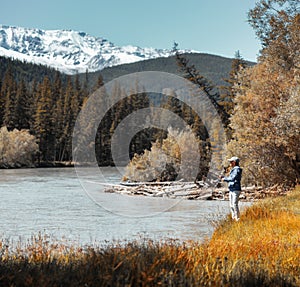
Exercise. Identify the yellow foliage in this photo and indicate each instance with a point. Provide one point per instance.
(17, 148)
(265, 123)
(164, 160)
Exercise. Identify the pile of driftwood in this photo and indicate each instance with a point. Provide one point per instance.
(190, 190)
(186, 190)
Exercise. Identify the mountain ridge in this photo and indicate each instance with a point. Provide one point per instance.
(71, 51)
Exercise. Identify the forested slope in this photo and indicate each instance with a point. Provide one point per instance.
(46, 102)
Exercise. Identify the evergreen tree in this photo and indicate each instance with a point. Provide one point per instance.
(142, 140)
(34, 95)
(6, 90)
(228, 92)
(66, 138)
(23, 108)
(85, 88)
(193, 75)
(58, 111)
(10, 115)
(44, 122)
(173, 104)
(99, 83)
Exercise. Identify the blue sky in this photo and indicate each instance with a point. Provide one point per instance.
(212, 26)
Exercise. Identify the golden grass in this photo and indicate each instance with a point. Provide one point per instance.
(262, 249)
(266, 240)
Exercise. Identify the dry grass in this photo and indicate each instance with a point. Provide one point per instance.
(262, 249)
(265, 244)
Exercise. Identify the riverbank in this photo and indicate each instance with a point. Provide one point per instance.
(47, 164)
(192, 191)
(262, 249)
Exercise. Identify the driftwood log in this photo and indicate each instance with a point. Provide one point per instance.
(190, 190)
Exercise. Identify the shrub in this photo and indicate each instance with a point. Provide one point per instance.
(176, 157)
(17, 148)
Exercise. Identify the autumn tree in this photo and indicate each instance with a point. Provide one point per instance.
(164, 160)
(276, 23)
(266, 115)
(17, 148)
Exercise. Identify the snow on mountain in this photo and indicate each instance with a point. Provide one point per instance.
(69, 51)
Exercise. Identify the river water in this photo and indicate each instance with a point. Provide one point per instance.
(54, 202)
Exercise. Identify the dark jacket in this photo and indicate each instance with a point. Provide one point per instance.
(234, 179)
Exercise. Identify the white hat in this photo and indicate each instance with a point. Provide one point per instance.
(234, 158)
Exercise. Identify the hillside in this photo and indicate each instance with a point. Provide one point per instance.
(213, 67)
(27, 72)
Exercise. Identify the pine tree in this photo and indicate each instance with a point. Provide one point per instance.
(58, 112)
(193, 75)
(44, 122)
(10, 115)
(23, 107)
(228, 92)
(138, 100)
(66, 137)
(85, 88)
(7, 88)
(99, 83)
(34, 96)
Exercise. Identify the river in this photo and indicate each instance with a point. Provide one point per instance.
(54, 202)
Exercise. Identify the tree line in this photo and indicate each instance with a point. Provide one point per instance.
(47, 107)
(43, 110)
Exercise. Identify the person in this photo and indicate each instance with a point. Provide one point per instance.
(234, 186)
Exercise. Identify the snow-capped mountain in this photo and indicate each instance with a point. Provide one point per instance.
(69, 51)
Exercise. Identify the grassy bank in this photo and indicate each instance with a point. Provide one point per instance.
(262, 249)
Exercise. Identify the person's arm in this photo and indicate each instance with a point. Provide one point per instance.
(232, 176)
